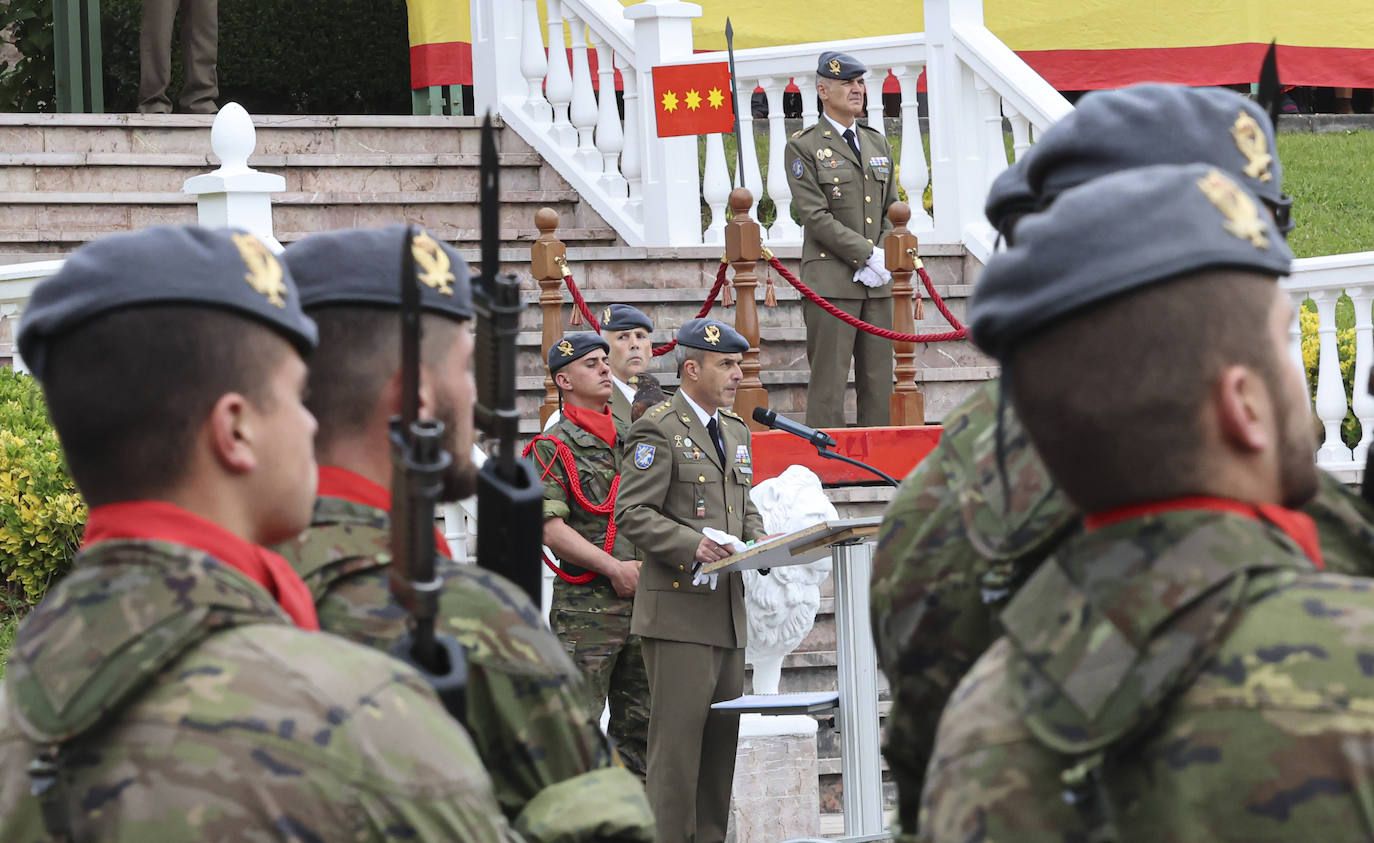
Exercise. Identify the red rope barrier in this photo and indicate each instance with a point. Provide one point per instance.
(660, 350)
(958, 333)
(606, 507)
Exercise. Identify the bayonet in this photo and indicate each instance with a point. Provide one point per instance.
(734, 99)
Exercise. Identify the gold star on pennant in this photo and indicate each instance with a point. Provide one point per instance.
(670, 102)
(693, 100)
(715, 97)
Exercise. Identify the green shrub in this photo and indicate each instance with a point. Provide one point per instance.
(41, 513)
(28, 84)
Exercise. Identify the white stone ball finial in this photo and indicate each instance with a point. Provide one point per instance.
(233, 139)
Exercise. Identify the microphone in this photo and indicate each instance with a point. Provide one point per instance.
(770, 418)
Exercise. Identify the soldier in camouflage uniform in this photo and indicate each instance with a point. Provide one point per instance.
(168, 688)
(1181, 669)
(593, 596)
(555, 775)
(955, 542)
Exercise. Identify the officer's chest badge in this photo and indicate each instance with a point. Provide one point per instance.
(1252, 144)
(1241, 212)
(742, 455)
(264, 272)
(644, 456)
(433, 263)
(565, 348)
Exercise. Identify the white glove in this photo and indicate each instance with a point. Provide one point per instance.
(701, 579)
(868, 277)
(878, 263)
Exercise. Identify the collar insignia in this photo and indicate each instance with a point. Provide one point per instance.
(1252, 144)
(835, 66)
(434, 262)
(565, 348)
(264, 273)
(1241, 213)
(713, 335)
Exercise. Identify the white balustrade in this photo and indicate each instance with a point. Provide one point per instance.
(747, 156)
(558, 84)
(1362, 401)
(631, 162)
(806, 83)
(584, 111)
(1020, 130)
(610, 139)
(534, 65)
(874, 80)
(784, 229)
(913, 173)
(715, 188)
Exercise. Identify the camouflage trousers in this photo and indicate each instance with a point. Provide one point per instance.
(594, 626)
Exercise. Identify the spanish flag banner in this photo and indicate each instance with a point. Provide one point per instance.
(693, 99)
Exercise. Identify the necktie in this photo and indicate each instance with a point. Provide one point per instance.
(853, 142)
(714, 429)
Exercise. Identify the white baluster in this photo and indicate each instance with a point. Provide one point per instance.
(749, 153)
(1020, 131)
(783, 228)
(584, 111)
(873, 81)
(558, 85)
(715, 188)
(1331, 403)
(1362, 402)
(534, 64)
(631, 158)
(806, 83)
(609, 137)
(914, 174)
(1295, 335)
(990, 109)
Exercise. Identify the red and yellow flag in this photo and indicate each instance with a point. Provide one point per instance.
(693, 99)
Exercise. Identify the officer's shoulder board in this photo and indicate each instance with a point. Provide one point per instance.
(732, 414)
(878, 132)
(659, 408)
(804, 131)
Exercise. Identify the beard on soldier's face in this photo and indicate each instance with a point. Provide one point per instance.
(459, 480)
(1297, 469)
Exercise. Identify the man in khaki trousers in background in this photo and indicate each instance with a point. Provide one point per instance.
(687, 465)
(199, 48)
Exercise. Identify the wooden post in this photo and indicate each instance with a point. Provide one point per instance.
(546, 253)
(743, 248)
(907, 404)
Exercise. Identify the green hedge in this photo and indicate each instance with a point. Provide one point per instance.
(337, 57)
(41, 513)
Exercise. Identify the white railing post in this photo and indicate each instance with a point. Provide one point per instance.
(534, 65)
(496, 32)
(806, 84)
(1020, 130)
(748, 156)
(955, 157)
(663, 35)
(558, 85)
(1331, 403)
(873, 82)
(715, 188)
(610, 140)
(1297, 296)
(631, 158)
(235, 195)
(584, 112)
(914, 172)
(1361, 401)
(784, 229)
(990, 111)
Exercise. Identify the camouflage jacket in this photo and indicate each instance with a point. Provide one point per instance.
(555, 775)
(597, 466)
(185, 706)
(1187, 675)
(954, 545)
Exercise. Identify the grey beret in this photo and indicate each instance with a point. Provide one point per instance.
(1115, 234)
(833, 65)
(183, 265)
(622, 317)
(574, 347)
(362, 266)
(1150, 124)
(1011, 197)
(711, 335)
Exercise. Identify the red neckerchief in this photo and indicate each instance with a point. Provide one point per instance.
(1296, 525)
(601, 425)
(162, 521)
(338, 482)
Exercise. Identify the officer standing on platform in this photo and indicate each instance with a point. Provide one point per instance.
(593, 596)
(689, 466)
(199, 47)
(842, 182)
(626, 331)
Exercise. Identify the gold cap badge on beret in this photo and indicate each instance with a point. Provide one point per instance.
(835, 66)
(434, 262)
(264, 273)
(712, 334)
(605, 316)
(1241, 213)
(565, 348)
(1251, 142)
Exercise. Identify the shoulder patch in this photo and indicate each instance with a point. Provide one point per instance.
(644, 456)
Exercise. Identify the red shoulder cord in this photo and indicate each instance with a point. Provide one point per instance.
(564, 455)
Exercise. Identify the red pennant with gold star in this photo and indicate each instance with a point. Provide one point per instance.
(693, 99)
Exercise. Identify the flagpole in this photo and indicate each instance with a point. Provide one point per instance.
(734, 101)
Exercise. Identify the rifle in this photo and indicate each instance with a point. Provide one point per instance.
(510, 499)
(418, 460)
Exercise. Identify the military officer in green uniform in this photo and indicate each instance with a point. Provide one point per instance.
(689, 466)
(173, 686)
(593, 596)
(626, 331)
(842, 182)
(1183, 668)
(555, 775)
